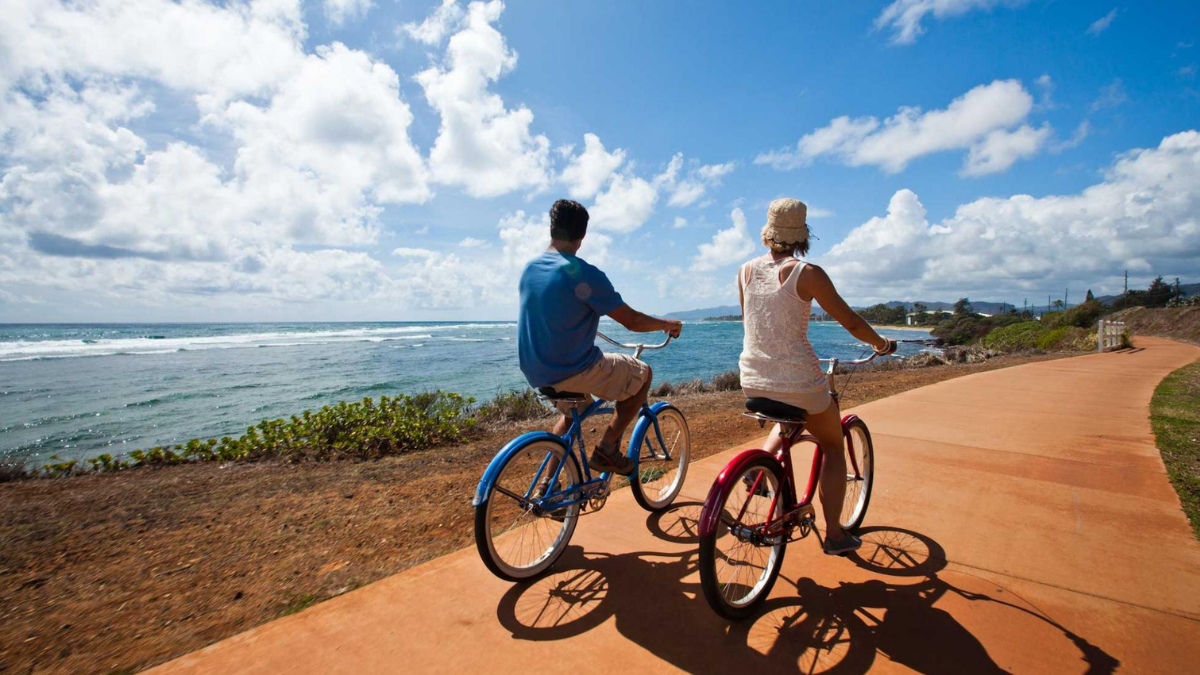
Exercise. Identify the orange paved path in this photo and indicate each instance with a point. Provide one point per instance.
(1022, 522)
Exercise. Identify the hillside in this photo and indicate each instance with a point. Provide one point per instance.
(1179, 323)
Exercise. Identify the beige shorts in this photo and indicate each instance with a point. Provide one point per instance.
(615, 377)
(811, 401)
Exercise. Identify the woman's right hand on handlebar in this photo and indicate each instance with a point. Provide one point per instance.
(890, 347)
(673, 328)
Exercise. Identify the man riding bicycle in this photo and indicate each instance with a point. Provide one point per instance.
(562, 300)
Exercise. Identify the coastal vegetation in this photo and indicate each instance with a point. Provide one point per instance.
(1175, 416)
(363, 430)
(366, 429)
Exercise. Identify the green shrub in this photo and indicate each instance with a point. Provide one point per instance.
(1082, 315)
(1064, 338)
(364, 430)
(961, 329)
(1015, 337)
(60, 469)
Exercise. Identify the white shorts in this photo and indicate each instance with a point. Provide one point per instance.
(811, 401)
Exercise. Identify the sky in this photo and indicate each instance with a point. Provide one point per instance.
(359, 160)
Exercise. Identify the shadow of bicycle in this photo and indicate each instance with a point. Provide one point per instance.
(655, 601)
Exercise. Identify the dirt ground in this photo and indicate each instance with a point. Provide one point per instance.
(115, 573)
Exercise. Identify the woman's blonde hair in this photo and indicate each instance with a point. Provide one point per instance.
(798, 249)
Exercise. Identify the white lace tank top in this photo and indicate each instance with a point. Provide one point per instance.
(776, 354)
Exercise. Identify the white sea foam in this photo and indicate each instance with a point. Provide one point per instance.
(50, 349)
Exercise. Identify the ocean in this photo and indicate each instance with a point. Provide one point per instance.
(81, 390)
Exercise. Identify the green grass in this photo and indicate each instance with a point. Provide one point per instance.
(1175, 415)
(299, 604)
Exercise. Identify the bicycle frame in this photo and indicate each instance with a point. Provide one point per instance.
(792, 507)
(575, 450)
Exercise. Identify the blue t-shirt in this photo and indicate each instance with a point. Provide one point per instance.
(562, 300)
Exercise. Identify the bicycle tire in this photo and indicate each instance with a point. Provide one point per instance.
(494, 557)
(716, 590)
(858, 442)
(649, 489)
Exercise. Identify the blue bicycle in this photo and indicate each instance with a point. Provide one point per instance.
(536, 487)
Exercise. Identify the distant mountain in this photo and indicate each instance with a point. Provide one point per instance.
(706, 313)
(982, 306)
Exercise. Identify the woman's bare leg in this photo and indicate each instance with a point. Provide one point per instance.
(827, 427)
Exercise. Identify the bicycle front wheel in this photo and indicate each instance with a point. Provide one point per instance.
(737, 567)
(519, 531)
(662, 463)
(860, 474)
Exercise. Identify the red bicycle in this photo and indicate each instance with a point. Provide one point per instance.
(752, 513)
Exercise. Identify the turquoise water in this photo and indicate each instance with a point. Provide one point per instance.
(77, 391)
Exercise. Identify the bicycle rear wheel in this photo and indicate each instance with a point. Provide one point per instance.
(737, 573)
(860, 475)
(662, 465)
(518, 531)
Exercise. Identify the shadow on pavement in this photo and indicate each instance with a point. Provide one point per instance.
(815, 629)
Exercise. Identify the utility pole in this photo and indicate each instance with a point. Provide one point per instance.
(1126, 283)
(1066, 294)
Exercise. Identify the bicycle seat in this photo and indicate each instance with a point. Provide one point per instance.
(776, 411)
(557, 396)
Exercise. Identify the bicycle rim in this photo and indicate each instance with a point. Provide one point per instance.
(662, 467)
(741, 572)
(522, 541)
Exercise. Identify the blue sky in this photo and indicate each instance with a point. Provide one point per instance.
(345, 159)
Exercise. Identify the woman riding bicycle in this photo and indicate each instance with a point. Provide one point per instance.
(776, 292)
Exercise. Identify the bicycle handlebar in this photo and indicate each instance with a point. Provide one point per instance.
(858, 362)
(625, 346)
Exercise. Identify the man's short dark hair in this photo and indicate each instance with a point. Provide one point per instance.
(568, 220)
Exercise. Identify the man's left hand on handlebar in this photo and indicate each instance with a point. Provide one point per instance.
(673, 327)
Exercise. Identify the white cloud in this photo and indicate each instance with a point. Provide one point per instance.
(728, 247)
(1082, 131)
(904, 17)
(472, 242)
(340, 11)
(817, 213)
(1144, 216)
(481, 145)
(971, 122)
(687, 186)
(590, 170)
(445, 20)
(216, 52)
(309, 149)
(1001, 149)
(1100, 25)
(680, 223)
(625, 206)
(408, 252)
(1112, 95)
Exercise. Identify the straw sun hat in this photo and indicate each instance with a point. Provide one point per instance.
(787, 222)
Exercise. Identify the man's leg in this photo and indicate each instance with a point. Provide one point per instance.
(561, 426)
(627, 412)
